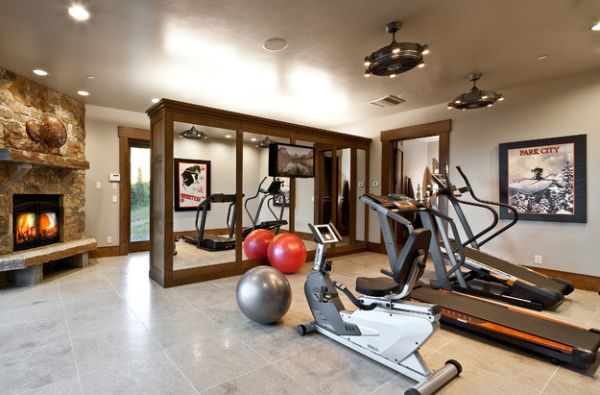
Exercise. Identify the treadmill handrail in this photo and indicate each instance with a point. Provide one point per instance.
(510, 208)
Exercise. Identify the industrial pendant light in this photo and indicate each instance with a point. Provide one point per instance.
(475, 98)
(193, 134)
(265, 143)
(396, 57)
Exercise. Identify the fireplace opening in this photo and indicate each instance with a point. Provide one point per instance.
(36, 220)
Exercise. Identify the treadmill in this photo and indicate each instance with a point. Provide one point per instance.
(558, 341)
(214, 242)
(486, 275)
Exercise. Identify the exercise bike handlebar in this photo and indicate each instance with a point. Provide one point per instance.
(510, 208)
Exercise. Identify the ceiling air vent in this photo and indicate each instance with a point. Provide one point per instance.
(386, 101)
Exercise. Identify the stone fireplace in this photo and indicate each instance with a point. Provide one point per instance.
(42, 182)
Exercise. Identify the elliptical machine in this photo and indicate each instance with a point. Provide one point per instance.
(270, 194)
(385, 328)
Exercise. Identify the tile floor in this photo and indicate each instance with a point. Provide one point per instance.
(108, 329)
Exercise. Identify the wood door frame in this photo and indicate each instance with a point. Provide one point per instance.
(389, 137)
(128, 137)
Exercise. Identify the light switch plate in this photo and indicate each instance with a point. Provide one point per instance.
(98, 185)
(114, 199)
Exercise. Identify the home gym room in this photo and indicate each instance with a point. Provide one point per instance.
(299, 197)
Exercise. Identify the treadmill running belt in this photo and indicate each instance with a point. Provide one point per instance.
(578, 338)
(513, 269)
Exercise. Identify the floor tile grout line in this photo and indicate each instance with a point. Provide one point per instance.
(235, 377)
(70, 339)
(177, 367)
(596, 314)
(549, 380)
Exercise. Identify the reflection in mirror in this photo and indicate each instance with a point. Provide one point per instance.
(344, 194)
(204, 216)
(305, 206)
(266, 199)
(415, 160)
(361, 189)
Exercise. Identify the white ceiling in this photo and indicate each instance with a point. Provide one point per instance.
(210, 52)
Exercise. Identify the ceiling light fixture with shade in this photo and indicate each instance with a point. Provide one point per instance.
(395, 58)
(193, 134)
(475, 98)
(265, 143)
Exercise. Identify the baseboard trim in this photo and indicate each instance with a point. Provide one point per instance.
(375, 247)
(579, 281)
(103, 252)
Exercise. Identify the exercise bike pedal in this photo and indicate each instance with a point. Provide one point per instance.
(305, 329)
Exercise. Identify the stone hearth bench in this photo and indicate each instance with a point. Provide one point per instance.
(26, 267)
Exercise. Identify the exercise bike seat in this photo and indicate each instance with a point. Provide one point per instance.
(412, 257)
(377, 286)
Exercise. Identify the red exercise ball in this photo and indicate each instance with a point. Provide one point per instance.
(256, 243)
(287, 253)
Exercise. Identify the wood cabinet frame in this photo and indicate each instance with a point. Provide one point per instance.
(162, 117)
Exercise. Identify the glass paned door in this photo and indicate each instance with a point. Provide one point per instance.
(140, 194)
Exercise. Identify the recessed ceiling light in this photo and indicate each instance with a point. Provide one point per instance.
(40, 72)
(79, 12)
(155, 100)
(227, 136)
(83, 93)
(542, 57)
(253, 139)
(421, 65)
(90, 77)
(275, 44)
(596, 27)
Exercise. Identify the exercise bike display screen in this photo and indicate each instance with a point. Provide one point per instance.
(325, 234)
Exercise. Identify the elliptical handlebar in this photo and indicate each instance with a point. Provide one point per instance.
(482, 202)
(258, 191)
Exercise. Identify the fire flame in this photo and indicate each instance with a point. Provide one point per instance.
(26, 230)
(48, 226)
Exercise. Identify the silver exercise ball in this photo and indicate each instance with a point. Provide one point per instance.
(264, 294)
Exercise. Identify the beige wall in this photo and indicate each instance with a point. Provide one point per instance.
(102, 151)
(559, 107)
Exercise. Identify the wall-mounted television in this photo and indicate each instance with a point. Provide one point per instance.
(290, 160)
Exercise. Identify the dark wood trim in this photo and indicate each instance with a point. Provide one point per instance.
(579, 281)
(292, 207)
(128, 137)
(375, 247)
(186, 112)
(103, 252)
(353, 195)
(239, 199)
(416, 131)
(134, 133)
(390, 137)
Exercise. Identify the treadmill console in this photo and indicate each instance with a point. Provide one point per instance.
(397, 202)
(325, 234)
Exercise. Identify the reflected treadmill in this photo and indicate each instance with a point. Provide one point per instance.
(214, 242)
(561, 342)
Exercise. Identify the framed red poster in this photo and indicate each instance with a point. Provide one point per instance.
(192, 183)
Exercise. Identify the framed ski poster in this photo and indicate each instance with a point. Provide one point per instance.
(192, 183)
(545, 180)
